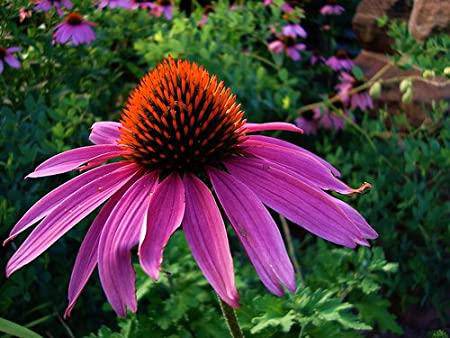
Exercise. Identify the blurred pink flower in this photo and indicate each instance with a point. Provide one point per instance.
(289, 46)
(127, 4)
(320, 118)
(361, 100)
(7, 57)
(143, 4)
(287, 8)
(340, 61)
(332, 9)
(294, 30)
(74, 30)
(46, 5)
(24, 14)
(267, 2)
(162, 7)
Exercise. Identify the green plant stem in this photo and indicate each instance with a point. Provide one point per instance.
(230, 317)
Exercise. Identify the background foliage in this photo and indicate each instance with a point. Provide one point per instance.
(48, 105)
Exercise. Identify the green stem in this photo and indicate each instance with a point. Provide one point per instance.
(230, 317)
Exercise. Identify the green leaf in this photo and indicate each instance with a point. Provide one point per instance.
(16, 330)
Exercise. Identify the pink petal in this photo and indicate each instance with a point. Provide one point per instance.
(72, 159)
(257, 231)
(12, 61)
(165, 214)
(86, 260)
(312, 209)
(206, 235)
(256, 127)
(119, 235)
(72, 210)
(54, 198)
(305, 167)
(281, 143)
(357, 219)
(105, 132)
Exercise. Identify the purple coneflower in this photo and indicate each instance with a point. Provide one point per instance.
(7, 56)
(340, 61)
(320, 118)
(127, 4)
(294, 31)
(142, 4)
(361, 100)
(332, 8)
(182, 136)
(75, 30)
(162, 7)
(46, 5)
(286, 42)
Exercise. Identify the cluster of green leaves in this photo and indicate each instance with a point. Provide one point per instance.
(339, 297)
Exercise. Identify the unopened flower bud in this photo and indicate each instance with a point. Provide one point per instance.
(447, 71)
(375, 90)
(407, 97)
(405, 84)
(428, 74)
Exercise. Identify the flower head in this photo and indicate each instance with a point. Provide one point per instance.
(286, 42)
(332, 8)
(321, 118)
(294, 31)
(162, 7)
(58, 5)
(340, 61)
(127, 4)
(361, 100)
(74, 30)
(182, 135)
(7, 57)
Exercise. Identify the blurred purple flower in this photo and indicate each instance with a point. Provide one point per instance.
(294, 30)
(361, 100)
(74, 30)
(286, 8)
(289, 46)
(320, 118)
(7, 56)
(332, 9)
(162, 7)
(141, 4)
(340, 61)
(127, 4)
(58, 5)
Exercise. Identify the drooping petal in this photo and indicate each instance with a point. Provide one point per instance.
(281, 143)
(87, 256)
(119, 235)
(72, 210)
(105, 132)
(303, 165)
(54, 198)
(311, 208)
(72, 159)
(357, 219)
(256, 127)
(257, 231)
(165, 214)
(206, 235)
